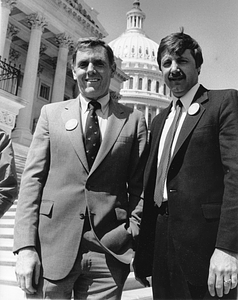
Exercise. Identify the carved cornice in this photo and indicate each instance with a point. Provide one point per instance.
(12, 30)
(13, 55)
(76, 9)
(43, 48)
(8, 3)
(36, 21)
(7, 118)
(64, 40)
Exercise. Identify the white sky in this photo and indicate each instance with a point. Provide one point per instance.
(213, 23)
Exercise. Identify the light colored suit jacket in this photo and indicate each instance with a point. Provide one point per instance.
(57, 185)
(202, 186)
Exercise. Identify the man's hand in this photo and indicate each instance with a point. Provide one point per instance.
(223, 272)
(28, 265)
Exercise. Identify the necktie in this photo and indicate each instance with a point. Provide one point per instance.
(163, 167)
(92, 133)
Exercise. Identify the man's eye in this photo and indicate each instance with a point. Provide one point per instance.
(166, 64)
(82, 65)
(99, 64)
(182, 61)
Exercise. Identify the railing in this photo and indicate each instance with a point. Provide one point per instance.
(9, 77)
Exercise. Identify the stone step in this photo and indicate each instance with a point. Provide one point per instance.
(6, 232)
(132, 283)
(11, 293)
(6, 243)
(138, 294)
(8, 222)
(7, 275)
(9, 215)
(7, 258)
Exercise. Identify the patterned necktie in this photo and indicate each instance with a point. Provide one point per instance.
(163, 167)
(92, 133)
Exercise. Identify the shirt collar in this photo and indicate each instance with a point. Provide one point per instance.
(104, 101)
(187, 98)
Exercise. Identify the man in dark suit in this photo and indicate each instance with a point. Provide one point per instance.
(8, 175)
(189, 230)
(78, 215)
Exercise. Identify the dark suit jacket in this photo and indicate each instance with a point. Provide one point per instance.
(8, 176)
(202, 186)
(57, 185)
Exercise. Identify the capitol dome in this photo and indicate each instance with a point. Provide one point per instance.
(134, 44)
(145, 90)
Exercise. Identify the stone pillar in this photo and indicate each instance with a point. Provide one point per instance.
(153, 86)
(157, 110)
(11, 32)
(136, 82)
(6, 7)
(147, 114)
(22, 134)
(64, 42)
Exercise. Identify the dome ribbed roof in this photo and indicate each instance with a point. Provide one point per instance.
(133, 44)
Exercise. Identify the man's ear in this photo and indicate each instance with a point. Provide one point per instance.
(113, 68)
(199, 70)
(73, 72)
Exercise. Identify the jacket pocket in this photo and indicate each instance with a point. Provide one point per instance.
(211, 210)
(46, 207)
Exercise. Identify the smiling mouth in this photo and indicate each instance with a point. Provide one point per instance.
(92, 79)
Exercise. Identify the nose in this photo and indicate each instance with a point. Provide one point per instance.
(90, 68)
(174, 67)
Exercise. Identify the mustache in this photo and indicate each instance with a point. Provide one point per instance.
(177, 74)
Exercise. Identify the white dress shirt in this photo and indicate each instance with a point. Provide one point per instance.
(186, 101)
(101, 113)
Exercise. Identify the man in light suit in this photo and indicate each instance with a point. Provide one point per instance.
(189, 235)
(75, 224)
(8, 175)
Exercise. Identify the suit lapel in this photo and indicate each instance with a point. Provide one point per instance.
(191, 120)
(72, 120)
(116, 121)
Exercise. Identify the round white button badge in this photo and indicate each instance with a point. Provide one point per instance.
(71, 124)
(193, 109)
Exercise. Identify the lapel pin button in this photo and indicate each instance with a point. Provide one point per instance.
(71, 124)
(193, 109)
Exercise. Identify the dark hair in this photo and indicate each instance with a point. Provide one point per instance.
(92, 42)
(177, 43)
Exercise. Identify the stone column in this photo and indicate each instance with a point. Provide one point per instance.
(22, 134)
(5, 9)
(147, 114)
(64, 42)
(157, 110)
(11, 32)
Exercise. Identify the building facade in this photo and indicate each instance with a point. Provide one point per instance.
(35, 53)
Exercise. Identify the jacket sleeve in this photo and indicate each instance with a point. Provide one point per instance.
(32, 183)
(227, 237)
(8, 176)
(138, 159)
